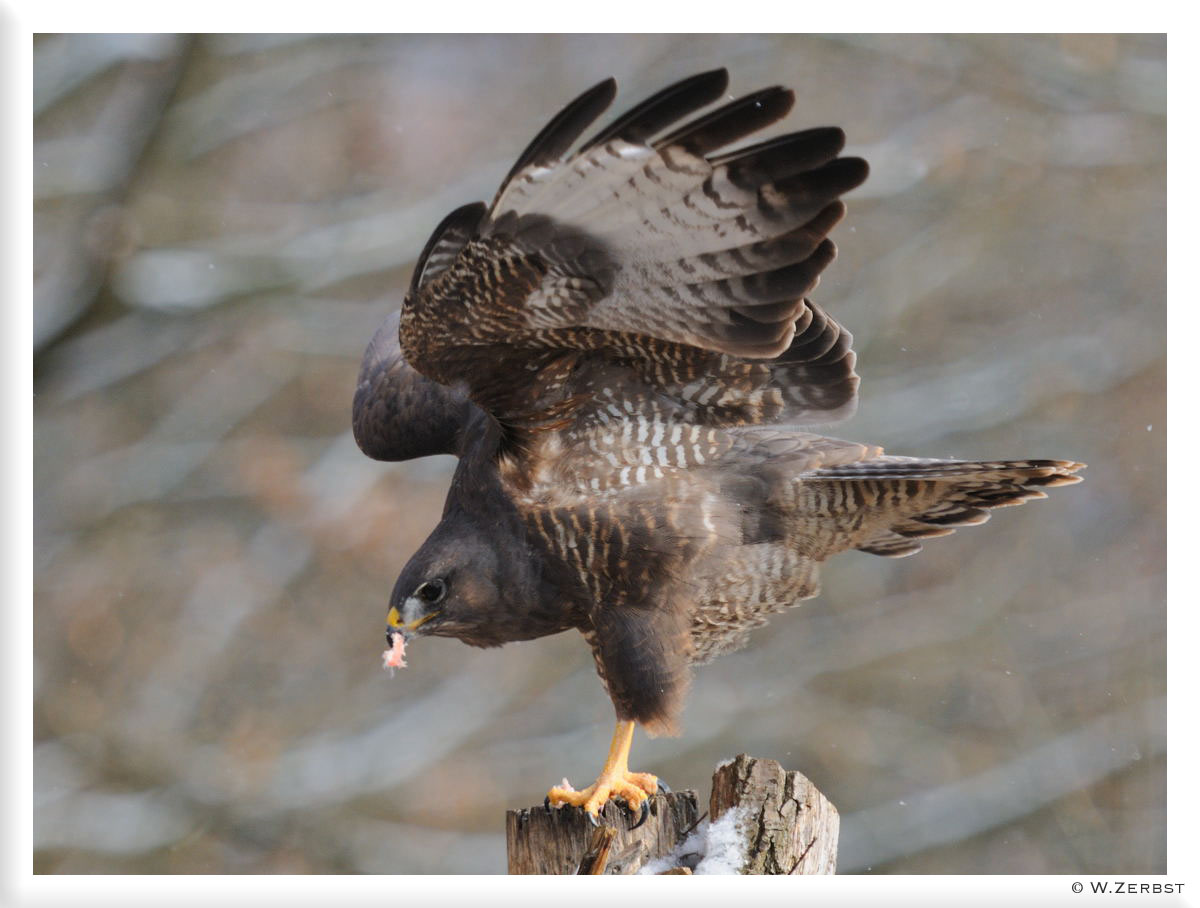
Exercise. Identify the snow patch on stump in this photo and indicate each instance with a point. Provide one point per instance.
(714, 848)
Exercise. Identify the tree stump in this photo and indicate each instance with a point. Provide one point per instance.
(787, 824)
(762, 819)
(562, 839)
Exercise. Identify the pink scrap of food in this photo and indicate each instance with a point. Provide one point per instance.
(394, 657)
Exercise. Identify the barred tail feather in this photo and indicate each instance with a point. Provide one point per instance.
(885, 506)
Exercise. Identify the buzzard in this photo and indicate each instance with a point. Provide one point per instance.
(621, 351)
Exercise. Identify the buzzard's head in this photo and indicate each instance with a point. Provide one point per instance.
(462, 583)
(448, 589)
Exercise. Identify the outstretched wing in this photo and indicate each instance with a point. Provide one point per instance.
(647, 251)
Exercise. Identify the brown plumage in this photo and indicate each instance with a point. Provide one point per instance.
(621, 350)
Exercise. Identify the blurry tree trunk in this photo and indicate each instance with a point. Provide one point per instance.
(80, 221)
(783, 824)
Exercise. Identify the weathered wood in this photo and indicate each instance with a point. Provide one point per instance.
(544, 840)
(595, 859)
(782, 825)
(787, 825)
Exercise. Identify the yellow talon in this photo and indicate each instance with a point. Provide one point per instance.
(615, 780)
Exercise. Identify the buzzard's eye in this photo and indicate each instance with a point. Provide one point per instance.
(432, 591)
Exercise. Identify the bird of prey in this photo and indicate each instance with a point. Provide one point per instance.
(621, 351)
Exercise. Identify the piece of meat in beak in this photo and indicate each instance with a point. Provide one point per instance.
(393, 657)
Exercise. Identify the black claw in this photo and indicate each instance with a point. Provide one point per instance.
(547, 802)
(645, 812)
(664, 787)
(595, 820)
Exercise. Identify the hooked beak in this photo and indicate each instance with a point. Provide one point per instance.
(395, 625)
